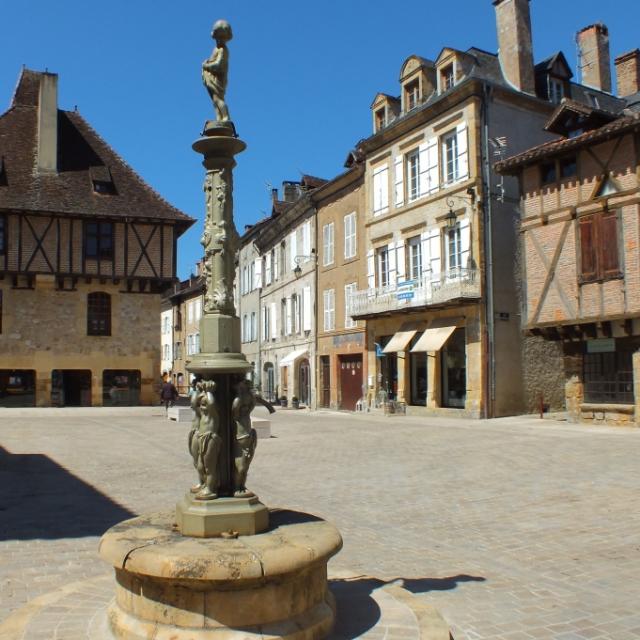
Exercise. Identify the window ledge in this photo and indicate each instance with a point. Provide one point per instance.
(619, 408)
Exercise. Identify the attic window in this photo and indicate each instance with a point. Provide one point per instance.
(556, 90)
(381, 118)
(447, 78)
(411, 93)
(102, 180)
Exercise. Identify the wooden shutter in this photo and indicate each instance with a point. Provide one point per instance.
(267, 268)
(434, 253)
(293, 250)
(371, 271)
(588, 258)
(424, 253)
(288, 330)
(306, 240)
(274, 321)
(609, 260)
(276, 265)
(423, 170)
(258, 271)
(462, 151)
(306, 309)
(399, 181)
(465, 243)
(400, 260)
(432, 165)
(391, 257)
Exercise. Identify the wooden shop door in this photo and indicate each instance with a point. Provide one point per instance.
(350, 381)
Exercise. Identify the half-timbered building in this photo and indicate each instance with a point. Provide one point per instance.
(86, 248)
(580, 201)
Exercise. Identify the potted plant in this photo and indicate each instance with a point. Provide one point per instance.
(283, 401)
(295, 403)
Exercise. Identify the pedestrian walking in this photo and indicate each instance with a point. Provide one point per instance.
(168, 395)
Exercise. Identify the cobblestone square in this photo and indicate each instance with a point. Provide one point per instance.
(514, 528)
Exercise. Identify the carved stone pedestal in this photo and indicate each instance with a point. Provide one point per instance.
(271, 585)
(209, 518)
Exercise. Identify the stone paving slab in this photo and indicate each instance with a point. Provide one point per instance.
(512, 528)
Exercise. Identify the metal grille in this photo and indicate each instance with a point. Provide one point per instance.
(608, 377)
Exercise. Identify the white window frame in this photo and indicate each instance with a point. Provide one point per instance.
(380, 190)
(349, 289)
(412, 163)
(328, 298)
(327, 244)
(383, 270)
(350, 238)
(450, 168)
(454, 250)
(414, 258)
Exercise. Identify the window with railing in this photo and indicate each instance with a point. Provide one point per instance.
(608, 377)
(382, 265)
(414, 258)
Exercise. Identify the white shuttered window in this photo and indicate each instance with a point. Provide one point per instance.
(350, 235)
(327, 244)
(380, 190)
(329, 309)
(349, 290)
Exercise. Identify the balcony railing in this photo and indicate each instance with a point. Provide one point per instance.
(429, 290)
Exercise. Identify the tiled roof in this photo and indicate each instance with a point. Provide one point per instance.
(82, 155)
(556, 147)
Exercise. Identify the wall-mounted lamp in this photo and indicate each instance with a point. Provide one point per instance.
(297, 271)
(451, 217)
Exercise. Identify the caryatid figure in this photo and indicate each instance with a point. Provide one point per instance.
(205, 442)
(245, 440)
(216, 68)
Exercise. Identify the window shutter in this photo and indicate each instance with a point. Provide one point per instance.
(288, 316)
(276, 265)
(274, 320)
(306, 240)
(267, 268)
(434, 253)
(588, 261)
(608, 243)
(381, 190)
(423, 165)
(424, 248)
(391, 253)
(371, 271)
(293, 250)
(462, 151)
(258, 270)
(306, 309)
(399, 181)
(433, 170)
(465, 243)
(400, 260)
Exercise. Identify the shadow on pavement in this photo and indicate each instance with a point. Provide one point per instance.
(357, 610)
(41, 499)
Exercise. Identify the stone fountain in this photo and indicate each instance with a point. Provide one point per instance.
(222, 566)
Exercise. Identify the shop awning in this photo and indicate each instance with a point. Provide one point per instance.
(290, 358)
(437, 334)
(402, 338)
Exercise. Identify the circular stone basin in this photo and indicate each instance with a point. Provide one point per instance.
(171, 587)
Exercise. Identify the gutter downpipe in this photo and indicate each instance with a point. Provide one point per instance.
(488, 272)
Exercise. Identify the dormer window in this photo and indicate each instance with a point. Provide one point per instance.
(411, 95)
(556, 90)
(381, 118)
(447, 78)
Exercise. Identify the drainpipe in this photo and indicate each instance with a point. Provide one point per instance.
(488, 242)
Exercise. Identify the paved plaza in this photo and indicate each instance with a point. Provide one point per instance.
(514, 529)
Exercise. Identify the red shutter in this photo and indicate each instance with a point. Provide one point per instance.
(588, 263)
(608, 244)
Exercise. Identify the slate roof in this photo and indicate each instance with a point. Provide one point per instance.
(83, 156)
(613, 129)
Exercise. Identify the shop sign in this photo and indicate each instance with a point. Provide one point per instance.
(601, 345)
(405, 290)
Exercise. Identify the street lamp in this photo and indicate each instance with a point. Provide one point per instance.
(451, 217)
(297, 271)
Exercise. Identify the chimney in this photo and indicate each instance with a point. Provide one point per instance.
(48, 123)
(274, 196)
(515, 48)
(595, 63)
(628, 73)
(290, 191)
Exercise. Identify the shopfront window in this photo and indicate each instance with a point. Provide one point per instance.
(17, 388)
(454, 371)
(120, 388)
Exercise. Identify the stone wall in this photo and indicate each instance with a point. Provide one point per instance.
(543, 373)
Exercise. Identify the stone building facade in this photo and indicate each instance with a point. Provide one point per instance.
(441, 302)
(341, 341)
(86, 248)
(580, 198)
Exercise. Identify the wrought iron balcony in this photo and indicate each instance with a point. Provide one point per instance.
(457, 284)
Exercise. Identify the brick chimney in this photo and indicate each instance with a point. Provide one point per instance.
(628, 73)
(48, 123)
(595, 62)
(515, 47)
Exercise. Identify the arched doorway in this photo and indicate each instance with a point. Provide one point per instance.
(304, 382)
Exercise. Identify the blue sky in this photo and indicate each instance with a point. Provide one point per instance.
(302, 77)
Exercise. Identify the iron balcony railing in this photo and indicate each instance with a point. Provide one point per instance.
(431, 289)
